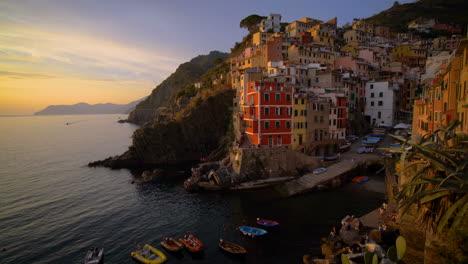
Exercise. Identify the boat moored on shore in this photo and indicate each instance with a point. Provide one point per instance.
(319, 170)
(360, 179)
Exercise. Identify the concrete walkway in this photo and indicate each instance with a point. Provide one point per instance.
(373, 218)
(310, 181)
(260, 183)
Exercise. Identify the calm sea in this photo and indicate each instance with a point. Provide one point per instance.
(53, 207)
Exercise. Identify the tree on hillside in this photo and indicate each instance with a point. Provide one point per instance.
(251, 22)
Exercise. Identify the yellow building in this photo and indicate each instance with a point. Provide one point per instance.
(407, 50)
(462, 91)
(309, 20)
(259, 38)
(305, 54)
(351, 49)
(362, 25)
(356, 35)
(296, 27)
(299, 121)
(323, 33)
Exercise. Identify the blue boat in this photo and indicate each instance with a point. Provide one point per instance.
(378, 135)
(319, 170)
(369, 138)
(365, 150)
(365, 142)
(252, 231)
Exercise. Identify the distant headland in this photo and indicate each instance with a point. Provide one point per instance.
(88, 109)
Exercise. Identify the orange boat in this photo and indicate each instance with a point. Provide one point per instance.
(191, 243)
(172, 244)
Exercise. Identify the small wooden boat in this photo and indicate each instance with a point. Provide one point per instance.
(172, 244)
(360, 179)
(252, 231)
(149, 255)
(319, 170)
(191, 243)
(94, 256)
(267, 223)
(232, 248)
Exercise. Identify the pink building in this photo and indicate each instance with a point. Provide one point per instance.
(369, 57)
(357, 65)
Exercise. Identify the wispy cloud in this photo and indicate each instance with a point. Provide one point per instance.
(20, 75)
(77, 55)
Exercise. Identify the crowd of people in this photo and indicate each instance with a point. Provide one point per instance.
(350, 223)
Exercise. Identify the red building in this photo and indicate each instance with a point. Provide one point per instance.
(268, 116)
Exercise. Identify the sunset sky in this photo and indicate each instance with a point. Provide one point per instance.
(65, 51)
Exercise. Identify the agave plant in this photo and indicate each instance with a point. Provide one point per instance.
(434, 176)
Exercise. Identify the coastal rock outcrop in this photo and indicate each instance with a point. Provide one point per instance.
(163, 95)
(250, 164)
(199, 132)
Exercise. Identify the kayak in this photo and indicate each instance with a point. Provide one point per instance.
(252, 231)
(360, 179)
(267, 223)
(149, 255)
(172, 244)
(319, 170)
(191, 243)
(94, 256)
(232, 248)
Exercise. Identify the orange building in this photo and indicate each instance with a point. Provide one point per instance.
(268, 115)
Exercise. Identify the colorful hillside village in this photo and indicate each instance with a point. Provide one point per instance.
(309, 83)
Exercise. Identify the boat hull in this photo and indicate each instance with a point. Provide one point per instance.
(319, 170)
(267, 223)
(232, 248)
(252, 231)
(92, 258)
(172, 245)
(192, 244)
(139, 257)
(360, 179)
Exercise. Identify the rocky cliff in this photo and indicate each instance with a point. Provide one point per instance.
(163, 95)
(194, 122)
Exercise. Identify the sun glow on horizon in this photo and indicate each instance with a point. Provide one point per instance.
(40, 68)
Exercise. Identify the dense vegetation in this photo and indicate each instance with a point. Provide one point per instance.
(251, 22)
(445, 11)
(433, 182)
